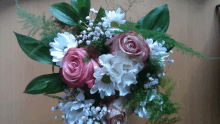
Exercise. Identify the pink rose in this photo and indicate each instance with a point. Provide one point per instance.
(118, 114)
(130, 44)
(75, 71)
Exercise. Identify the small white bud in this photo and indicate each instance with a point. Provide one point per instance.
(99, 23)
(102, 33)
(56, 117)
(171, 51)
(170, 61)
(98, 109)
(90, 24)
(80, 41)
(53, 108)
(88, 42)
(89, 29)
(80, 21)
(63, 96)
(159, 75)
(87, 18)
(148, 74)
(150, 78)
(84, 32)
(84, 37)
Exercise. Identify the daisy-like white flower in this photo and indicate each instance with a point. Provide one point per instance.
(157, 49)
(113, 19)
(104, 82)
(60, 46)
(141, 111)
(118, 73)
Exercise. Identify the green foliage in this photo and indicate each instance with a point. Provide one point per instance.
(50, 30)
(29, 20)
(160, 37)
(82, 7)
(164, 82)
(100, 45)
(134, 98)
(101, 13)
(49, 84)
(65, 13)
(34, 49)
(156, 20)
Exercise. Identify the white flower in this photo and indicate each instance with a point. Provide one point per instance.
(60, 46)
(113, 18)
(157, 51)
(141, 111)
(93, 10)
(87, 18)
(151, 83)
(118, 72)
(104, 83)
(170, 61)
(74, 112)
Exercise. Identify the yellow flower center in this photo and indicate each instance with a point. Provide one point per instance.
(114, 24)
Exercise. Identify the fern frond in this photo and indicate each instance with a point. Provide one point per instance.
(29, 20)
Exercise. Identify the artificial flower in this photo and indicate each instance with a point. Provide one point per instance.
(75, 71)
(60, 46)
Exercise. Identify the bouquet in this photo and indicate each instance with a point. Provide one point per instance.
(109, 67)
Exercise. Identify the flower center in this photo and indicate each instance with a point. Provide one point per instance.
(114, 24)
(106, 79)
(79, 110)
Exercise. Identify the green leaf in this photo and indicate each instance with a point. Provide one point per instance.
(33, 49)
(49, 84)
(81, 3)
(157, 20)
(82, 7)
(65, 13)
(81, 27)
(100, 14)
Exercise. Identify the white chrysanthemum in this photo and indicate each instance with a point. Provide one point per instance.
(113, 19)
(104, 82)
(157, 49)
(141, 111)
(118, 72)
(60, 46)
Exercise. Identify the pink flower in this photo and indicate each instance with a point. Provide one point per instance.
(75, 71)
(130, 44)
(118, 114)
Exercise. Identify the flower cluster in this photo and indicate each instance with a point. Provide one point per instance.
(110, 74)
(79, 110)
(108, 67)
